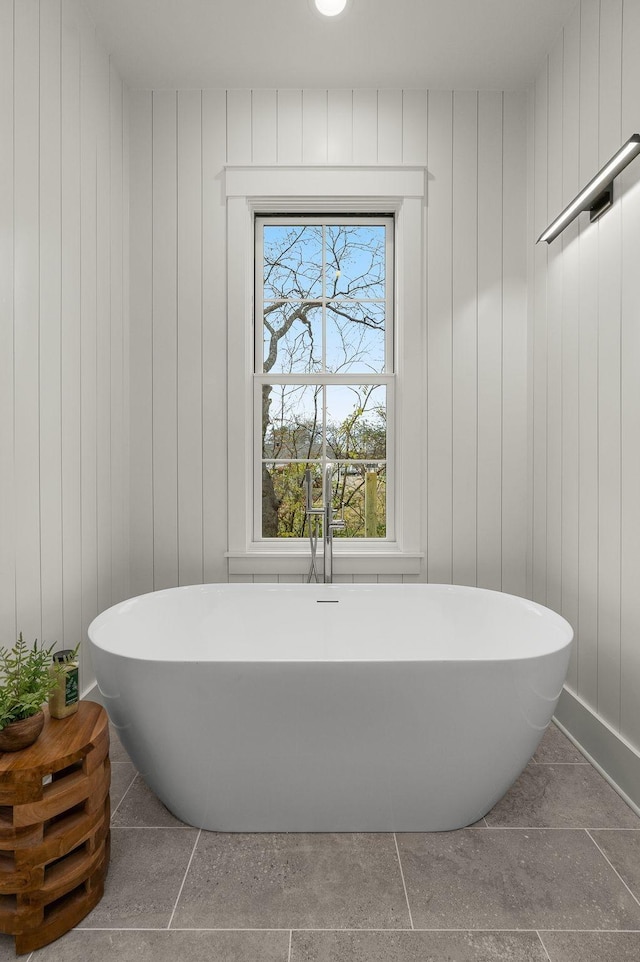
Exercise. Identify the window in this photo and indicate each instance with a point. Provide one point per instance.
(323, 371)
(312, 379)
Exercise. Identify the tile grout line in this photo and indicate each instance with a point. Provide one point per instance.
(290, 941)
(404, 886)
(126, 792)
(193, 852)
(547, 828)
(467, 828)
(563, 764)
(163, 828)
(543, 945)
(636, 900)
(90, 928)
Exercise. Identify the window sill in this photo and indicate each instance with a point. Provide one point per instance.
(266, 561)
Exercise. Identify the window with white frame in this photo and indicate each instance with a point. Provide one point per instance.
(326, 373)
(323, 371)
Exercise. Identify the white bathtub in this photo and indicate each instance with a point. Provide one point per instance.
(330, 708)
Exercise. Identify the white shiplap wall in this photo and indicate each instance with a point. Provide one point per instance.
(63, 325)
(475, 452)
(586, 359)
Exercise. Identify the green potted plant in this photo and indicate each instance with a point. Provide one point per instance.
(27, 680)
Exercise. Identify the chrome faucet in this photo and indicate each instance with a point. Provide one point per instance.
(330, 523)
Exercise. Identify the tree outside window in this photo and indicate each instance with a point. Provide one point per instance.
(324, 359)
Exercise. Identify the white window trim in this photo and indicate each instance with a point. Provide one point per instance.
(257, 190)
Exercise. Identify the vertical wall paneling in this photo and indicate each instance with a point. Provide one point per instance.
(314, 126)
(629, 192)
(515, 448)
(141, 350)
(439, 333)
(63, 287)
(532, 255)
(50, 324)
(414, 127)
(539, 370)
(214, 339)
(103, 333)
(26, 319)
(587, 636)
(389, 126)
(165, 334)
(118, 561)
(190, 558)
(554, 334)
(239, 126)
(465, 334)
(365, 126)
(7, 517)
(570, 333)
(610, 67)
(71, 247)
(609, 414)
(289, 126)
(126, 344)
(424, 465)
(591, 289)
(88, 338)
(317, 127)
(489, 339)
(264, 130)
(339, 127)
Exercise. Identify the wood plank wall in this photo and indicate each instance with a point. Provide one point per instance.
(586, 358)
(475, 464)
(63, 325)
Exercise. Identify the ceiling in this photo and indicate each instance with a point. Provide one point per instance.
(445, 44)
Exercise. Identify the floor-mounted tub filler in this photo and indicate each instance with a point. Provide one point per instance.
(366, 708)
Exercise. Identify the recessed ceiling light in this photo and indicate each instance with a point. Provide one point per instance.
(330, 8)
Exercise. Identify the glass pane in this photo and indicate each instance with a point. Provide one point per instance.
(355, 337)
(292, 338)
(291, 421)
(356, 422)
(355, 261)
(284, 499)
(361, 491)
(292, 261)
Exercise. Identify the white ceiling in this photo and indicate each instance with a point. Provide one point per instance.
(446, 44)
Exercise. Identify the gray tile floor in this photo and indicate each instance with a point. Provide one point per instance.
(552, 874)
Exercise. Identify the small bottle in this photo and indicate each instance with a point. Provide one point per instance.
(63, 700)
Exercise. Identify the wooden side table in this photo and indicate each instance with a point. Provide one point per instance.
(54, 828)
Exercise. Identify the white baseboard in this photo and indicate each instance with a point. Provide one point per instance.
(616, 760)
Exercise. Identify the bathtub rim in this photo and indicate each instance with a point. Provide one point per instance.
(553, 617)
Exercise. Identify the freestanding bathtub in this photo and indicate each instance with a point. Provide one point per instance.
(330, 708)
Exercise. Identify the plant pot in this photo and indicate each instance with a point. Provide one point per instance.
(22, 733)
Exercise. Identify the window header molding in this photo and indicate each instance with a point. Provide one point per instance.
(384, 183)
